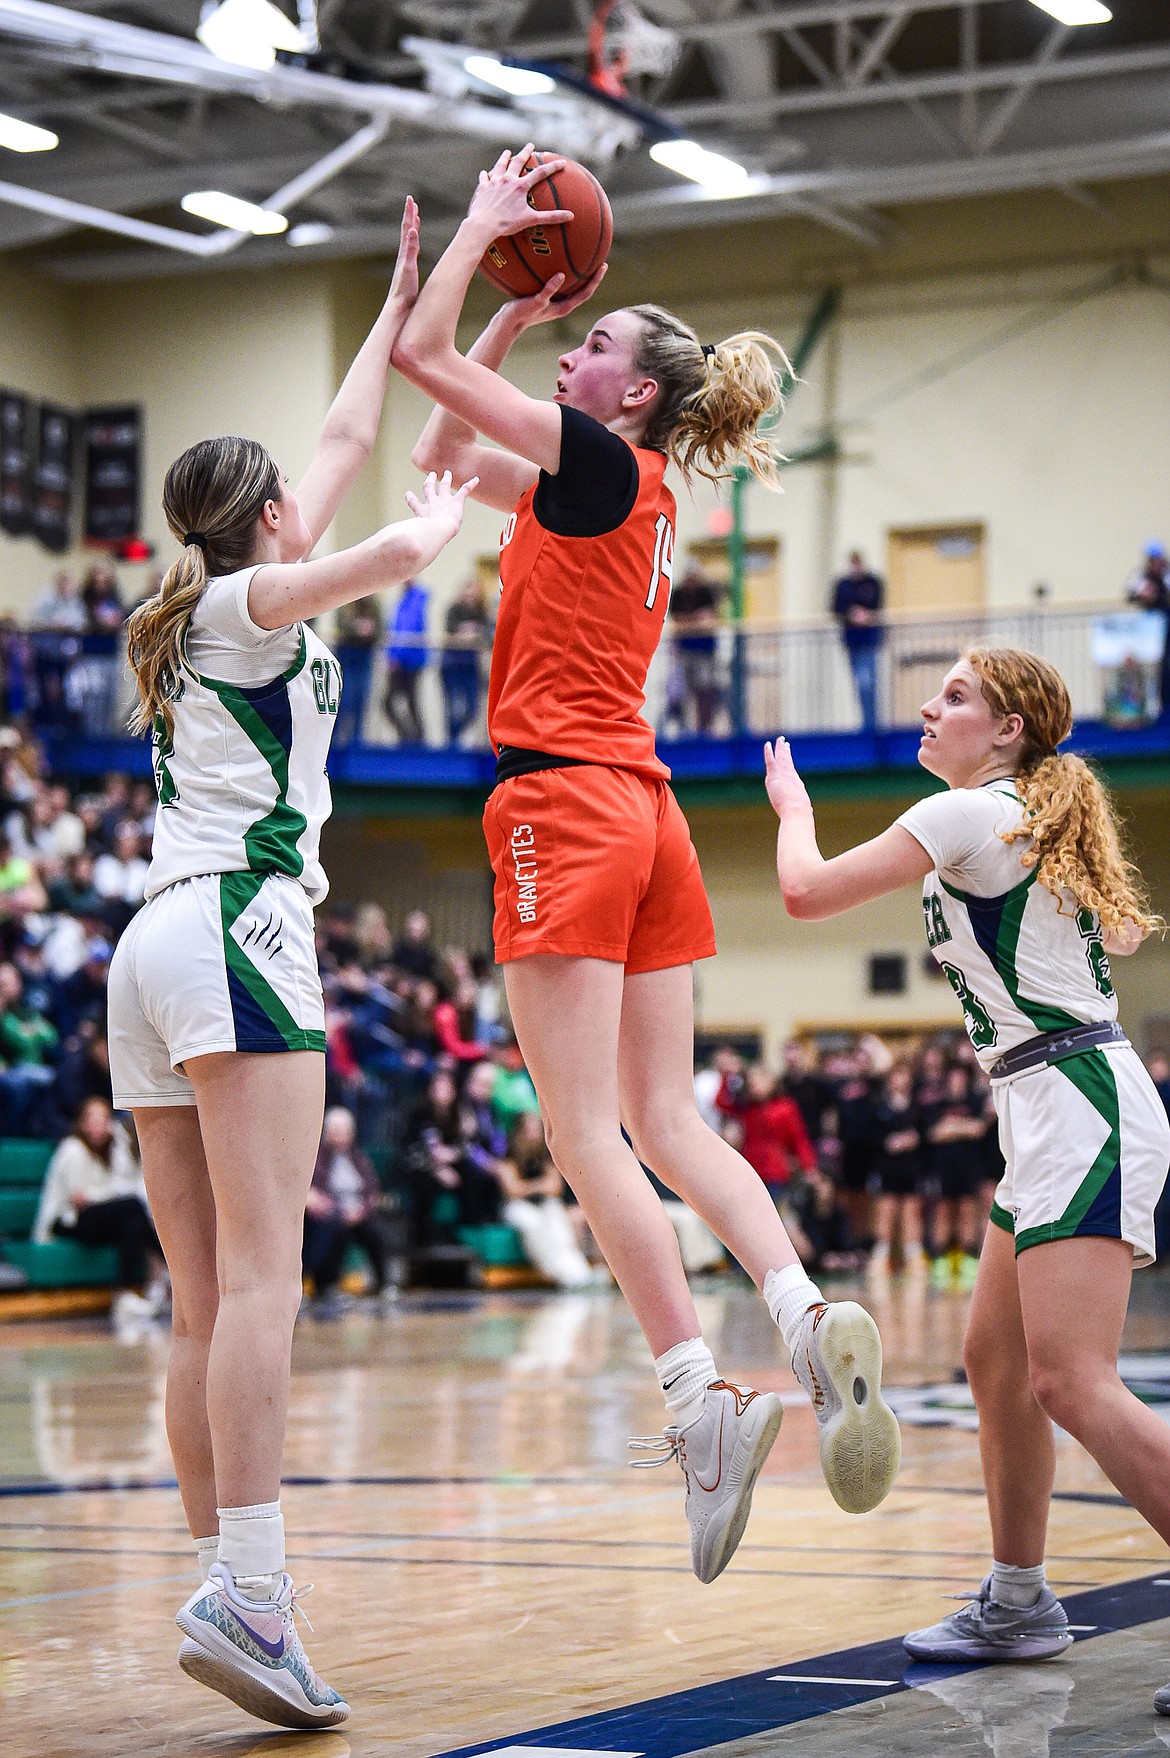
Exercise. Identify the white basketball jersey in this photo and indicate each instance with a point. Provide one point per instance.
(1019, 960)
(241, 783)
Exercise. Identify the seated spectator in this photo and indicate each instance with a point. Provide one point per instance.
(454, 1019)
(514, 1094)
(820, 1226)
(94, 1193)
(534, 1205)
(467, 627)
(414, 951)
(21, 891)
(83, 1071)
(443, 1153)
(341, 1211)
(27, 1043)
(119, 876)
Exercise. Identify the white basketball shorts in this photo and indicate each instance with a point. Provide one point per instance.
(226, 961)
(1087, 1146)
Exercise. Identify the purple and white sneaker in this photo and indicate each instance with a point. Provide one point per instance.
(249, 1650)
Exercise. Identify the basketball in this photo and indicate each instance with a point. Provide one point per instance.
(521, 265)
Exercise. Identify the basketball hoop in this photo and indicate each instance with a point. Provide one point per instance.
(623, 42)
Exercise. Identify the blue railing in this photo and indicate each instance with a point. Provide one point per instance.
(711, 705)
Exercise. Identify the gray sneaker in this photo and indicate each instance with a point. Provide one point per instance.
(987, 1630)
(838, 1361)
(1162, 1700)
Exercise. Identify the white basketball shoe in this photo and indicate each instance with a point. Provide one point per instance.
(721, 1454)
(838, 1361)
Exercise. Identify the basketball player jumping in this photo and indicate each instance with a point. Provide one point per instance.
(600, 906)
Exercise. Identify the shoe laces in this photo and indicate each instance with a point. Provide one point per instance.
(296, 1609)
(668, 1445)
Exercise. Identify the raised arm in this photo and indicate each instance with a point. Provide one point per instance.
(425, 352)
(814, 888)
(447, 442)
(282, 593)
(351, 426)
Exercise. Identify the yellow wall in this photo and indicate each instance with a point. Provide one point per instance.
(1054, 435)
(770, 973)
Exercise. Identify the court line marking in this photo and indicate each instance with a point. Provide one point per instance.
(707, 1716)
(473, 1536)
(823, 1679)
(91, 1592)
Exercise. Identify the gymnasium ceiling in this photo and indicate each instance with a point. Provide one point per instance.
(839, 109)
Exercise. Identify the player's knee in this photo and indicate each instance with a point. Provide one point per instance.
(988, 1366)
(657, 1130)
(1059, 1387)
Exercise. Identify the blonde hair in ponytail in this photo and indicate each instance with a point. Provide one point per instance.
(1076, 846)
(216, 491)
(711, 403)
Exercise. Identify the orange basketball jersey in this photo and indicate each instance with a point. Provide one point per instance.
(580, 618)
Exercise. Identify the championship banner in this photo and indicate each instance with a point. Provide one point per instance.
(15, 464)
(53, 480)
(113, 450)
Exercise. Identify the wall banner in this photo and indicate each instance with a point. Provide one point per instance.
(15, 463)
(113, 453)
(53, 481)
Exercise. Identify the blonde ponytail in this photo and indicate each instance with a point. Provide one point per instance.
(1075, 842)
(712, 402)
(154, 639)
(214, 494)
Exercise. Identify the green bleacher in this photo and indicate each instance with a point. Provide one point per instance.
(58, 1263)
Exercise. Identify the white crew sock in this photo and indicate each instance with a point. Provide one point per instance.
(789, 1294)
(1017, 1587)
(684, 1373)
(251, 1548)
(206, 1552)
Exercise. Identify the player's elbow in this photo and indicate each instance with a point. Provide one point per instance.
(799, 900)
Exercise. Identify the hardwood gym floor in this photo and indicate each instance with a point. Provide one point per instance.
(490, 1575)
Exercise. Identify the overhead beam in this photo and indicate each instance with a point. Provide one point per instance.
(918, 87)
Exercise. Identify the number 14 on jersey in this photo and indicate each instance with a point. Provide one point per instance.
(662, 567)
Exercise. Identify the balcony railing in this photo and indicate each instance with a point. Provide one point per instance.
(745, 683)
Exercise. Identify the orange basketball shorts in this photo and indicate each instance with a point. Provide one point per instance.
(592, 862)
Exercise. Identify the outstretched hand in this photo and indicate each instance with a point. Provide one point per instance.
(543, 307)
(404, 284)
(440, 500)
(501, 195)
(785, 788)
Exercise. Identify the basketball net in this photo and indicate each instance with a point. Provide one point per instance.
(622, 43)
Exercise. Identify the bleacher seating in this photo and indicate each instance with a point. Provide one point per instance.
(53, 1263)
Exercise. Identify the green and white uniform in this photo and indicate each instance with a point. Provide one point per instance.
(1086, 1140)
(222, 957)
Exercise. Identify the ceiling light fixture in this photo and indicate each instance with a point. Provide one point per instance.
(248, 33)
(310, 232)
(688, 159)
(518, 82)
(25, 137)
(1075, 11)
(230, 211)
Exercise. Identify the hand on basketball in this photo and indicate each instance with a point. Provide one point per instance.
(404, 285)
(441, 500)
(500, 203)
(785, 788)
(543, 307)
